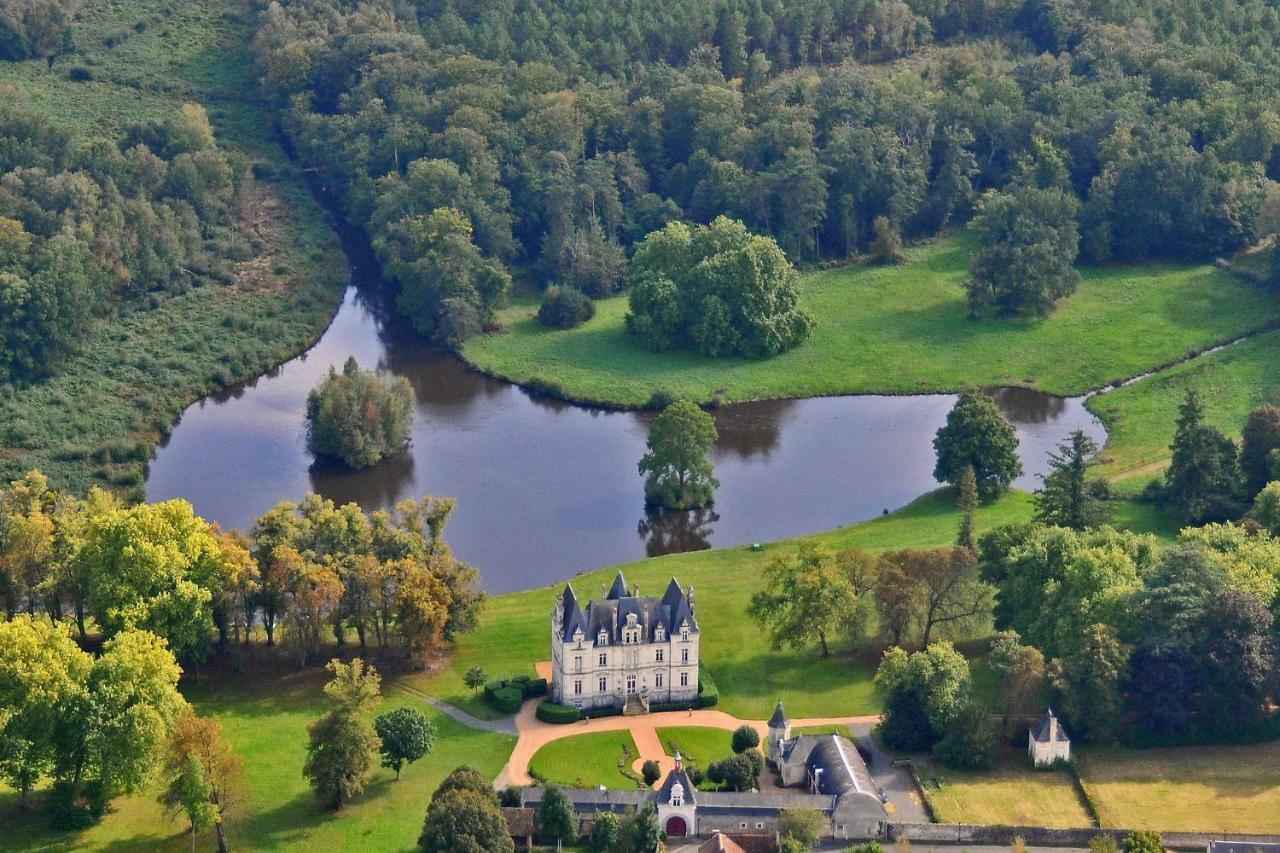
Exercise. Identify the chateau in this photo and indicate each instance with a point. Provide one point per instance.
(625, 651)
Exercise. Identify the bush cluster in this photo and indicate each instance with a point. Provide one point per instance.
(564, 307)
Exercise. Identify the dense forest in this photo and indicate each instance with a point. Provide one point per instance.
(563, 133)
(88, 229)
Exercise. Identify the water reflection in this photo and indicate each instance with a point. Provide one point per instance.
(674, 532)
(1026, 406)
(546, 489)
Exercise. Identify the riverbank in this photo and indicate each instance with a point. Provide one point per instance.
(98, 420)
(899, 330)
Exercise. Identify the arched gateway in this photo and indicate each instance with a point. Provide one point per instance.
(676, 827)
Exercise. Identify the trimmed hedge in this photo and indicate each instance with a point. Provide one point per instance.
(557, 714)
(708, 693)
(526, 686)
(508, 699)
(656, 707)
(493, 687)
(534, 687)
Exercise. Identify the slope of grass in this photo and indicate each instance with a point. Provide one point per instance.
(903, 329)
(265, 718)
(1141, 418)
(587, 761)
(97, 419)
(514, 630)
(1204, 789)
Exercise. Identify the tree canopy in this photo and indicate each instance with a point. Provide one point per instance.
(716, 289)
(678, 474)
(977, 437)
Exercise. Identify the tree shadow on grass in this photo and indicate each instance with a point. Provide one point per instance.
(292, 823)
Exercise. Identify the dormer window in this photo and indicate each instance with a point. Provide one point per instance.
(578, 637)
(660, 634)
(677, 794)
(604, 638)
(684, 632)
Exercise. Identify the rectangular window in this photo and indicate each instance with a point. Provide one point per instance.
(684, 656)
(604, 659)
(657, 680)
(604, 685)
(684, 679)
(577, 688)
(658, 655)
(577, 664)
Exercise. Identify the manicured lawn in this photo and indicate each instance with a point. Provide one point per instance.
(903, 329)
(1141, 418)
(265, 718)
(1012, 794)
(513, 631)
(699, 745)
(587, 761)
(1207, 789)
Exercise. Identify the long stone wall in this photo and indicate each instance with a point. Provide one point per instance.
(1036, 836)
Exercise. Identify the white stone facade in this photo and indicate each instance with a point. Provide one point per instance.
(624, 647)
(1047, 741)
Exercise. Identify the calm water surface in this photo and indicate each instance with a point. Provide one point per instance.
(546, 489)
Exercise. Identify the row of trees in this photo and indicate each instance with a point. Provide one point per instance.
(1209, 477)
(315, 568)
(89, 228)
(557, 137)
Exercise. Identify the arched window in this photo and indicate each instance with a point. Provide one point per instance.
(677, 794)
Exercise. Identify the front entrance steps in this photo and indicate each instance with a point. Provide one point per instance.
(635, 706)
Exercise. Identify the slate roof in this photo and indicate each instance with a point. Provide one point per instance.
(779, 718)
(740, 843)
(610, 614)
(678, 775)
(843, 770)
(1040, 732)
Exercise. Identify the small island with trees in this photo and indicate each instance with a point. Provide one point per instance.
(358, 418)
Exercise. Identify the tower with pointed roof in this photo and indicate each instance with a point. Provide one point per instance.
(625, 651)
(779, 731)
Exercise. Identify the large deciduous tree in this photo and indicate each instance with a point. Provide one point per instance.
(923, 693)
(155, 567)
(406, 735)
(464, 817)
(203, 775)
(678, 474)
(1089, 685)
(342, 742)
(976, 436)
(716, 289)
(806, 599)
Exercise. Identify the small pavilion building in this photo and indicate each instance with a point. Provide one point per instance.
(1048, 742)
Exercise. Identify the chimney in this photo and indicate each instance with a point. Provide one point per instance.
(1053, 727)
(679, 761)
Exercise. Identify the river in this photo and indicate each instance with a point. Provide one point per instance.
(547, 489)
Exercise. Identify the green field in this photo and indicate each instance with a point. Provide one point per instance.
(587, 761)
(1201, 789)
(97, 420)
(903, 329)
(1141, 417)
(265, 718)
(699, 745)
(1011, 794)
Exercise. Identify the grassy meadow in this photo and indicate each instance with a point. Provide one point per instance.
(1012, 794)
(699, 745)
(98, 419)
(1208, 788)
(902, 329)
(1141, 418)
